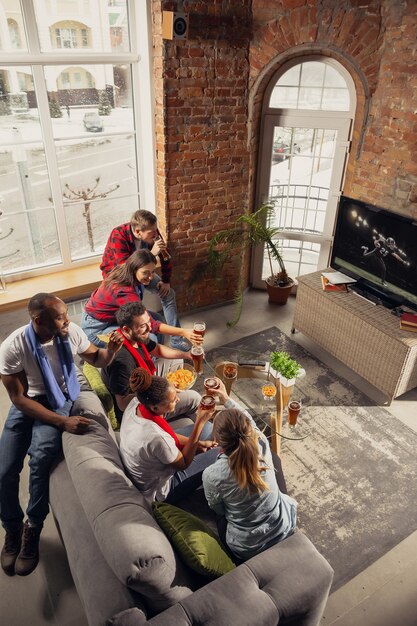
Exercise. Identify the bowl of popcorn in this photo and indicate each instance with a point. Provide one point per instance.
(183, 378)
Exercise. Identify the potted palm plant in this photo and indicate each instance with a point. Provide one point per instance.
(250, 230)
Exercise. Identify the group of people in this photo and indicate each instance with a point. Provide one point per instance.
(223, 451)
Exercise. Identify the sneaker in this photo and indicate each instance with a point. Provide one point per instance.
(29, 553)
(180, 343)
(11, 549)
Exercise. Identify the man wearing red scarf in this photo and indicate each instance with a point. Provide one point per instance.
(139, 350)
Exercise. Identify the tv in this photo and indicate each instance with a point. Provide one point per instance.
(379, 249)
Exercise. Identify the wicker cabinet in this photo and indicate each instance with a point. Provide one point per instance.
(365, 337)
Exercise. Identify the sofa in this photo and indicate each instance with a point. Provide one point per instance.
(128, 574)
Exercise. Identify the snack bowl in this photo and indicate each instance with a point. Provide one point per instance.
(183, 378)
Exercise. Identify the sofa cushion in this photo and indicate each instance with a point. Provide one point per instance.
(96, 383)
(194, 540)
(129, 538)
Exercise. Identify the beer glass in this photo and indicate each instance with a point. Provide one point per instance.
(207, 402)
(294, 408)
(197, 355)
(164, 253)
(211, 383)
(200, 328)
(230, 370)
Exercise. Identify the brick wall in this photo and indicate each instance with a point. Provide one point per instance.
(203, 158)
(208, 94)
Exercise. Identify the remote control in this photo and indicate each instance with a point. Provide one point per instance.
(252, 363)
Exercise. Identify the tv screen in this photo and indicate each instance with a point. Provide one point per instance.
(379, 249)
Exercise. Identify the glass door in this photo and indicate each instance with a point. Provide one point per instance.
(301, 174)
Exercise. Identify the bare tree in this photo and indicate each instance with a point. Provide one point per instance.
(87, 196)
(6, 256)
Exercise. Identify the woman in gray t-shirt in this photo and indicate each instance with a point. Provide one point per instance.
(241, 485)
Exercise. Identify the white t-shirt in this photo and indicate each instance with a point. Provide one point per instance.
(147, 452)
(16, 356)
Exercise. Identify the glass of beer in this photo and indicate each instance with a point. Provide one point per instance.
(200, 328)
(211, 383)
(207, 402)
(230, 370)
(197, 355)
(294, 407)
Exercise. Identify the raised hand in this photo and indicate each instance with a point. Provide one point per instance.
(220, 392)
(115, 341)
(192, 336)
(158, 246)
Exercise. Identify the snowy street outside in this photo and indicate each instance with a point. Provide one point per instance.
(82, 157)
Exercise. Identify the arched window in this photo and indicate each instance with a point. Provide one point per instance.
(70, 34)
(308, 113)
(14, 34)
(314, 85)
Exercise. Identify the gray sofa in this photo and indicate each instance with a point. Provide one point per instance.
(127, 573)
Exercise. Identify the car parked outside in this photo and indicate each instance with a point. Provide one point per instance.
(93, 122)
(282, 150)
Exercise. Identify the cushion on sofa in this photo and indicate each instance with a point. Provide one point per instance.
(131, 541)
(96, 383)
(194, 540)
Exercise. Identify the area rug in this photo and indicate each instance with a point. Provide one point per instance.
(355, 475)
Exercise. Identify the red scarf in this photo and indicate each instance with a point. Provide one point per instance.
(161, 422)
(147, 362)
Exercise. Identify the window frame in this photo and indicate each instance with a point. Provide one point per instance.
(140, 59)
(323, 118)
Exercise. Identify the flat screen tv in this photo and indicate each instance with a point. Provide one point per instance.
(379, 249)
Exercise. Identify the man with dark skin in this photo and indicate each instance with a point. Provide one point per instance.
(38, 371)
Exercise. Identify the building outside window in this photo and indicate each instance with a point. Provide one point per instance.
(65, 182)
(66, 37)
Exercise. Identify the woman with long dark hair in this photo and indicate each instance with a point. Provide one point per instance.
(241, 485)
(125, 283)
(163, 464)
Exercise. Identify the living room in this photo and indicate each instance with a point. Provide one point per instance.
(217, 144)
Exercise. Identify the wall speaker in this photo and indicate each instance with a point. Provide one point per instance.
(174, 25)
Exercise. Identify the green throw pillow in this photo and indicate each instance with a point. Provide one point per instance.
(95, 381)
(194, 541)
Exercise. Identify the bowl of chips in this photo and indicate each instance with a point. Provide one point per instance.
(183, 378)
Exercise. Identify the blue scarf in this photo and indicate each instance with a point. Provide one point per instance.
(54, 394)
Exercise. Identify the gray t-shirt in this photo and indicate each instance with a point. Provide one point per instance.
(147, 452)
(16, 356)
(255, 520)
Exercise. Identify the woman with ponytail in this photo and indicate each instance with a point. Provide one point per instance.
(241, 485)
(163, 464)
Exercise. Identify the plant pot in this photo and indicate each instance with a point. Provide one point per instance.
(277, 294)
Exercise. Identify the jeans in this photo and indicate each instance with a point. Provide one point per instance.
(169, 303)
(93, 327)
(184, 482)
(24, 435)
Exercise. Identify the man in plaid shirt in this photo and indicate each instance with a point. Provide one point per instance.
(138, 234)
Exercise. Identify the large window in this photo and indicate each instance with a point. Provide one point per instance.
(74, 125)
(307, 121)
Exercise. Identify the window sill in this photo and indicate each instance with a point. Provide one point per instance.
(68, 284)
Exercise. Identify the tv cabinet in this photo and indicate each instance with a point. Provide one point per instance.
(365, 337)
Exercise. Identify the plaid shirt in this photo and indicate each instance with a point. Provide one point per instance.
(120, 245)
(107, 299)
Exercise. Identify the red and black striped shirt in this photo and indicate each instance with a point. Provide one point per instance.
(120, 245)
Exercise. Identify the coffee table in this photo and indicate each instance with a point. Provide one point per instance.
(246, 388)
